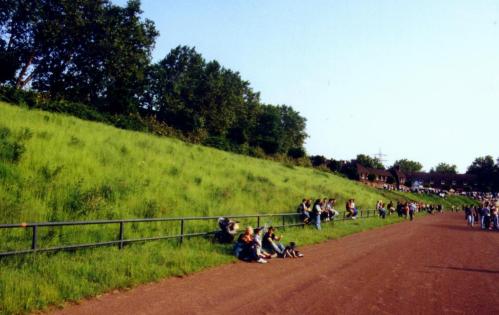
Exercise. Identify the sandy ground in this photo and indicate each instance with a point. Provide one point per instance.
(433, 265)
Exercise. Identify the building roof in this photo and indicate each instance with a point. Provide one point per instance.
(373, 171)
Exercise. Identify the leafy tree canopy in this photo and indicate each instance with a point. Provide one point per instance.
(367, 161)
(445, 168)
(408, 166)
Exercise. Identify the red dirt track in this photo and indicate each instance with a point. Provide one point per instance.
(433, 265)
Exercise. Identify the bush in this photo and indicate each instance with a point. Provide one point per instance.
(296, 153)
(10, 150)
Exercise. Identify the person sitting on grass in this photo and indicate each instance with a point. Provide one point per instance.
(271, 242)
(257, 239)
(245, 248)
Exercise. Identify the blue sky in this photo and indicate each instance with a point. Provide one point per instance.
(417, 79)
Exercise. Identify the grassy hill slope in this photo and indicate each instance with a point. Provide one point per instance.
(54, 167)
(73, 169)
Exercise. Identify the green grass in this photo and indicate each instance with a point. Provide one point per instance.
(54, 167)
(38, 281)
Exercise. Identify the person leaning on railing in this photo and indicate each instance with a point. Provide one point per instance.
(304, 210)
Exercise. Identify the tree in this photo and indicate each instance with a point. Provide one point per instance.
(367, 161)
(80, 50)
(445, 168)
(408, 166)
(21, 46)
(486, 172)
(294, 128)
(318, 160)
(268, 133)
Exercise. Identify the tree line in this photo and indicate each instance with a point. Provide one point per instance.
(97, 56)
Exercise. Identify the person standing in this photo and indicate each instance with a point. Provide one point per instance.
(412, 210)
(317, 210)
(485, 216)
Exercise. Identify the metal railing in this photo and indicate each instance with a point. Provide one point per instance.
(121, 240)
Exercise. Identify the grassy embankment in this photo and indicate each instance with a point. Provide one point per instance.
(55, 167)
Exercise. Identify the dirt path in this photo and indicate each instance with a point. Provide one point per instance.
(430, 266)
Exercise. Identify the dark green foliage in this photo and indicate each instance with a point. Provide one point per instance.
(408, 166)
(367, 161)
(82, 202)
(49, 173)
(445, 168)
(297, 153)
(318, 160)
(486, 171)
(11, 150)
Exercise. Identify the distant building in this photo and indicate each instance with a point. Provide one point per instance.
(444, 181)
(373, 176)
(382, 178)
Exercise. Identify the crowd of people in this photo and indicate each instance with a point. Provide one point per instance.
(486, 215)
(324, 210)
(261, 244)
(251, 245)
(321, 210)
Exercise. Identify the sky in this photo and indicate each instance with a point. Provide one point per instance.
(414, 79)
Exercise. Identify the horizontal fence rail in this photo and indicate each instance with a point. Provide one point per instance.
(294, 219)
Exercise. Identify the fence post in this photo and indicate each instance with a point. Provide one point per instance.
(181, 230)
(283, 221)
(258, 220)
(35, 237)
(122, 232)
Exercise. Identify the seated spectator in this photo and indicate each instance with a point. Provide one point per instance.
(380, 207)
(271, 242)
(245, 248)
(304, 210)
(332, 213)
(291, 251)
(348, 208)
(354, 209)
(228, 230)
(260, 252)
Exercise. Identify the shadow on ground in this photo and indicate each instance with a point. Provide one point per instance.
(466, 269)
